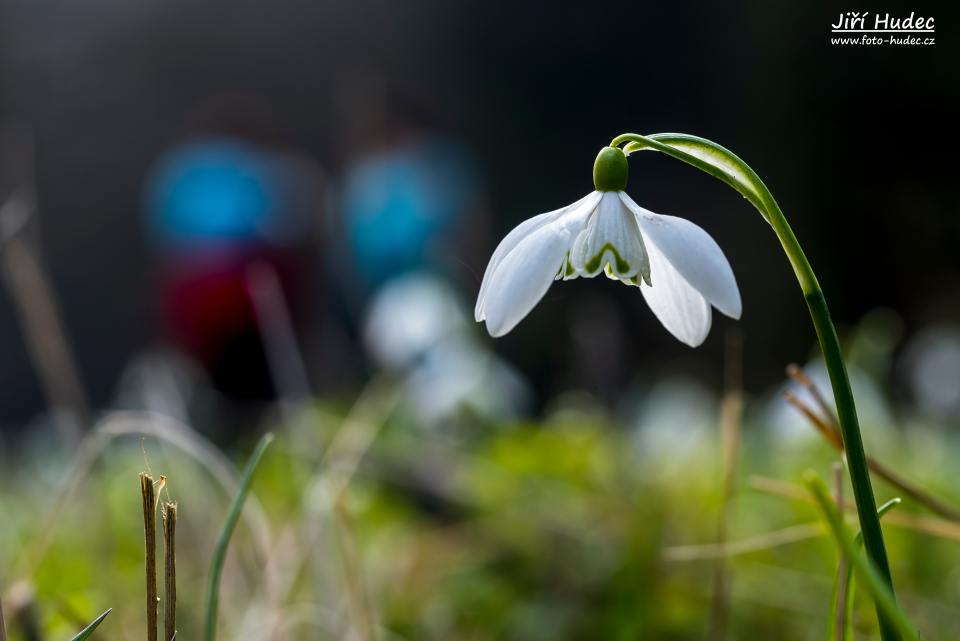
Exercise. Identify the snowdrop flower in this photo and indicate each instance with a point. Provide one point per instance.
(680, 270)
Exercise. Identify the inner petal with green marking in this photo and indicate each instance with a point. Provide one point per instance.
(610, 242)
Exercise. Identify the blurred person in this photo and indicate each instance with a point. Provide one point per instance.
(410, 212)
(226, 197)
(411, 200)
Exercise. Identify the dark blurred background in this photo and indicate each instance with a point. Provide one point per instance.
(856, 143)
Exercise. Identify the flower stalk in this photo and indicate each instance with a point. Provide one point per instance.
(726, 166)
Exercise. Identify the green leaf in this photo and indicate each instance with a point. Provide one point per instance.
(867, 572)
(223, 541)
(87, 631)
(847, 584)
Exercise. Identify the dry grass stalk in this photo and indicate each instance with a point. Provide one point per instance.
(928, 525)
(749, 545)
(731, 415)
(361, 619)
(170, 570)
(41, 322)
(830, 430)
(3, 628)
(149, 499)
(130, 423)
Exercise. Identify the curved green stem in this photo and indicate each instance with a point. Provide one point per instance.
(726, 166)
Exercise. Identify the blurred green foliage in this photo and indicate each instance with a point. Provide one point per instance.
(474, 531)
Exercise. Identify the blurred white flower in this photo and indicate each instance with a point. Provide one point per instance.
(678, 267)
(932, 360)
(416, 327)
(677, 415)
(408, 316)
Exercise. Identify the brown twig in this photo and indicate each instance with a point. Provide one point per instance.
(823, 428)
(828, 428)
(148, 496)
(3, 628)
(801, 378)
(170, 570)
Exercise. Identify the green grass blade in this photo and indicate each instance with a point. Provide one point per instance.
(87, 631)
(223, 541)
(845, 583)
(867, 573)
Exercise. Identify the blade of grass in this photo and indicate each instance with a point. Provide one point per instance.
(838, 619)
(3, 627)
(87, 631)
(223, 541)
(841, 616)
(867, 573)
(339, 461)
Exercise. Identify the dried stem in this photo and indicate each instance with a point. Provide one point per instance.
(831, 432)
(170, 571)
(3, 628)
(797, 374)
(33, 295)
(926, 524)
(361, 620)
(730, 436)
(148, 496)
(749, 545)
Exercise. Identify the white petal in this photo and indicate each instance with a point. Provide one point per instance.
(523, 276)
(681, 308)
(611, 242)
(511, 240)
(693, 253)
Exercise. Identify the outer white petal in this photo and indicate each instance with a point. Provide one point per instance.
(681, 308)
(611, 241)
(693, 253)
(511, 240)
(523, 276)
